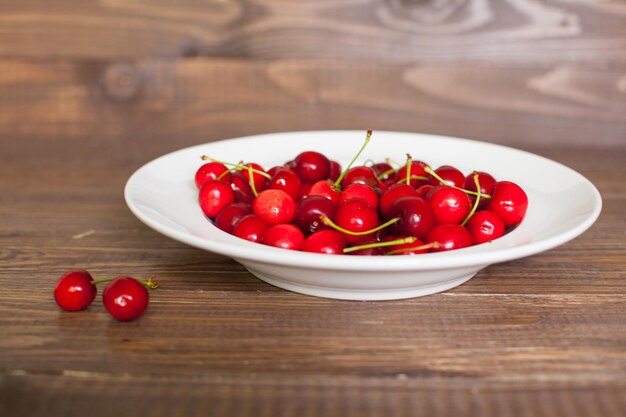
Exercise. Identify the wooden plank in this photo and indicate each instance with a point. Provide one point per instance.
(198, 100)
(515, 30)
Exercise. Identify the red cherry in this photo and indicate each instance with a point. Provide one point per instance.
(285, 236)
(451, 176)
(305, 187)
(417, 170)
(450, 205)
(230, 215)
(310, 210)
(287, 180)
(486, 182)
(274, 206)
(449, 237)
(424, 190)
(312, 166)
(75, 290)
(326, 189)
(210, 172)
(509, 202)
(214, 196)
(356, 215)
(362, 191)
(369, 251)
(362, 175)
(413, 248)
(329, 242)
(385, 172)
(125, 298)
(240, 182)
(416, 216)
(485, 226)
(260, 181)
(335, 171)
(250, 227)
(392, 194)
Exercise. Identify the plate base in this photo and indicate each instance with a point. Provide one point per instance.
(361, 294)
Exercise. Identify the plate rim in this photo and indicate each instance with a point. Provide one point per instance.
(432, 261)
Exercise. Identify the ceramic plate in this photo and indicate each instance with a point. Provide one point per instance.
(562, 205)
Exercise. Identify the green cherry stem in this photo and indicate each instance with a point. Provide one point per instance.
(343, 174)
(478, 195)
(238, 167)
(412, 177)
(409, 239)
(150, 283)
(431, 245)
(384, 174)
(430, 171)
(328, 222)
(252, 186)
(409, 162)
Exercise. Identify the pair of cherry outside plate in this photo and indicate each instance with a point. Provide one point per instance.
(562, 205)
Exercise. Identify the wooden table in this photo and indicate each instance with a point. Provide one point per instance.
(91, 90)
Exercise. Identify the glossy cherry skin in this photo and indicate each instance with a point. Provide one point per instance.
(230, 215)
(413, 248)
(259, 180)
(509, 202)
(416, 216)
(335, 171)
(486, 182)
(451, 176)
(312, 166)
(210, 172)
(310, 210)
(241, 186)
(274, 206)
(286, 180)
(214, 196)
(360, 174)
(326, 189)
(449, 237)
(75, 290)
(392, 194)
(356, 215)
(485, 226)
(417, 170)
(362, 191)
(329, 242)
(250, 227)
(385, 173)
(449, 205)
(305, 187)
(285, 236)
(424, 190)
(125, 298)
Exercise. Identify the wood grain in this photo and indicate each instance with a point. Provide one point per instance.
(199, 100)
(91, 90)
(394, 30)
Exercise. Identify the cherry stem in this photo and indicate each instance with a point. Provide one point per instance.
(328, 222)
(471, 213)
(252, 186)
(431, 245)
(150, 283)
(409, 162)
(384, 174)
(238, 167)
(413, 177)
(402, 241)
(345, 171)
(441, 180)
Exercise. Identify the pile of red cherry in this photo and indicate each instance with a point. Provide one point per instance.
(125, 298)
(309, 204)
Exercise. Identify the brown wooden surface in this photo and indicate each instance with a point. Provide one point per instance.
(91, 90)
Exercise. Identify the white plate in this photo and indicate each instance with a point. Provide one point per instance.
(562, 205)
